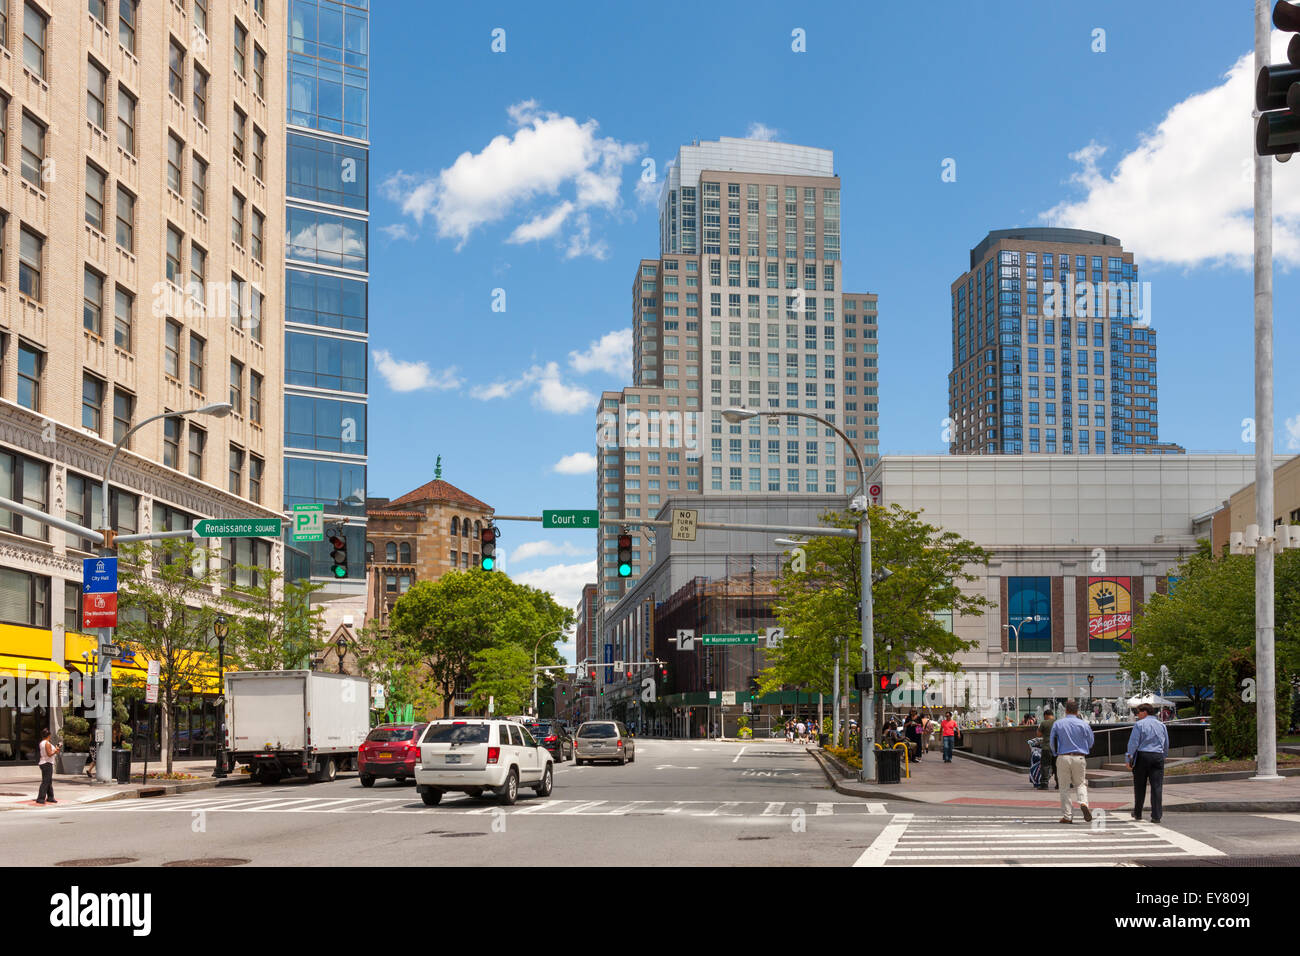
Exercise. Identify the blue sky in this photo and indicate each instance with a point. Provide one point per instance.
(477, 152)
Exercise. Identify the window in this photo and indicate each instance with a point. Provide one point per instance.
(34, 24)
(33, 152)
(176, 71)
(171, 442)
(127, 12)
(253, 320)
(25, 600)
(405, 549)
(98, 10)
(31, 362)
(237, 219)
(123, 412)
(259, 153)
(175, 156)
(173, 255)
(198, 271)
(27, 481)
(201, 15)
(200, 95)
(125, 120)
(4, 107)
(237, 386)
(198, 441)
(96, 94)
(237, 129)
(390, 552)
(255, 468)
(255, 237)
(92, 403)
(259, 71)
(30, 250)
(196, 362)
(95, 181)
(241, 48)
(199, 185)
(235, 480)
(92, 302)
(254, 397)
(125, 220)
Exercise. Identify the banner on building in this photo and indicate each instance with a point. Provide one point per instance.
(1110, 613)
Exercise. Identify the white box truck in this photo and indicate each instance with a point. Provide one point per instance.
(295, 723)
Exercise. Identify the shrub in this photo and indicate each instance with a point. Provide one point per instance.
(1232, 719)
(76, 735)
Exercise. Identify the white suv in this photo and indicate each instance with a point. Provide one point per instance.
(475, 755)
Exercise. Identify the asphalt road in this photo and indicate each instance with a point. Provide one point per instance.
(681, 803)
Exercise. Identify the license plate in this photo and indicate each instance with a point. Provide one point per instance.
(384, 756)
(453, 758)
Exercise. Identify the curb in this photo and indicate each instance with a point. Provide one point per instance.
(161, 790)
(837, 783)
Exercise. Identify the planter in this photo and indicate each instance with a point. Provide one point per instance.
(66, 763)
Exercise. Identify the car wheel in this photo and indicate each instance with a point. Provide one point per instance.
(577, 761)
(544, 788)
(431, 798)
(622, 761)
(328, 771)
(509, 791)
(367, 780)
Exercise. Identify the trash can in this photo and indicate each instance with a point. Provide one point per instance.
(889, 766)
(823, 740)
(122, 766)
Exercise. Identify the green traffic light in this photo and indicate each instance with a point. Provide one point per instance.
(624, 570)
(488, 564)
(340, 571)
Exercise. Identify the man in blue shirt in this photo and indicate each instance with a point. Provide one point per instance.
(1148, 746)
(1071, 742)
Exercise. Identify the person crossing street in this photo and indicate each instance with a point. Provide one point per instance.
(1148, 746)
(1071, 742)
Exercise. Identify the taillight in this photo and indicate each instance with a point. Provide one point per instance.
(493, 754)
(620, 743)
(550, 740)
(413, 751)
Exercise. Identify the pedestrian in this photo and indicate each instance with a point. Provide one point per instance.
(1071, 742)
(922, 735)
(948, 727)
(47, 750)
(802, 730)
(1049, 762)
(1148, 746)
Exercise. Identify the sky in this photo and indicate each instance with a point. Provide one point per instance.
(513, 193)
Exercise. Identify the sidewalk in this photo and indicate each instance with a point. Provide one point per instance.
(966, 782)
(19, 784)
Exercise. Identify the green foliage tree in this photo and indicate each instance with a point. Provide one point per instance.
(1233, 725)
(504, 674)
(275, 627)
(450, 620)
(395, 662)
(76, 734)
(166, 609)
(819, 590)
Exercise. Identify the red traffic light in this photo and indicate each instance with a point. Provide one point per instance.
(882, 682)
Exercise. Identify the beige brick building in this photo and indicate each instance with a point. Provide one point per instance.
(141, 267)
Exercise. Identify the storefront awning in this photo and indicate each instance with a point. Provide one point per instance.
(31, 667)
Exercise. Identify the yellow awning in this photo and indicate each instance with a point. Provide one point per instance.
(31, 667)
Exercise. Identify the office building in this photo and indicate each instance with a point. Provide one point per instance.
(1053, 351)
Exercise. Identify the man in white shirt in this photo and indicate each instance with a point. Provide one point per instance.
(47, 751)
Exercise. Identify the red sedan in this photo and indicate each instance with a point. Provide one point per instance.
(390, 750)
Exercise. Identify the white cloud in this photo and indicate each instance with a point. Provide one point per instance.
(579, 463)
(543, 225)
(533, 549)
(550, 392)
(547, 152)
(563, 581)
(1184, 194)
(581, 244)
(647, 191)
(762, 131)
(399, 230)
(1292, 434)
(611, 353)
(404, 376)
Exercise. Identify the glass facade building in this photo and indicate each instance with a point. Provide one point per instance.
(326, 273)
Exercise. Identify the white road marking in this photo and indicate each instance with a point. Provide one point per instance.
(876, 808)
(1284, 817)
(773, 809)
(738, 754)
(883, 845)
(824, 808)
(1185, 843)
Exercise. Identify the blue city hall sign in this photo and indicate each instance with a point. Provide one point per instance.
(99, 575)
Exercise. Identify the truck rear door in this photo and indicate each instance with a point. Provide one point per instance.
(267, 713)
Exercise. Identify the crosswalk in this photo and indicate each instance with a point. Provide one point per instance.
(456, 804)
(1009, 840)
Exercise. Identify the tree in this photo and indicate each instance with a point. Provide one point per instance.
(504, 674)
(464, 612)
(395, 663)
(165, 605)
(276, 628)
(819, 590)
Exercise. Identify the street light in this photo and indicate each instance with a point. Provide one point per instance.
(1015, 630)
(535, 649)
(1091, 678)
(735, 416)
(103, 710)
(341, 649)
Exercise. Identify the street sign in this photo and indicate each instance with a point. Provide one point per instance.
(588, 520)
(775, 636)
(99, 610)
(151, 694)
(749, 706)
(98, 575)
(308, 522)
(684, 521)
(728, 698)
(713, 640)
(238, 528)
(155, 670)
(685, 640)
(114, 651)
(874, 491)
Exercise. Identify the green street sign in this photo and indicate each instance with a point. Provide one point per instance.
(238, 528)
(582, 520)
(717, 639)
(309, 522)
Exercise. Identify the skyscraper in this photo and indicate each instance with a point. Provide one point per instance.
(743, 306)
(1030, 298)
(326, 278)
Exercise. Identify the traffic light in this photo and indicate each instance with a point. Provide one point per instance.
(593, 673)
(1277, 93)
(886, 682)
(339, 555)
(487, 543)
(624, 555)
(753, 688)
